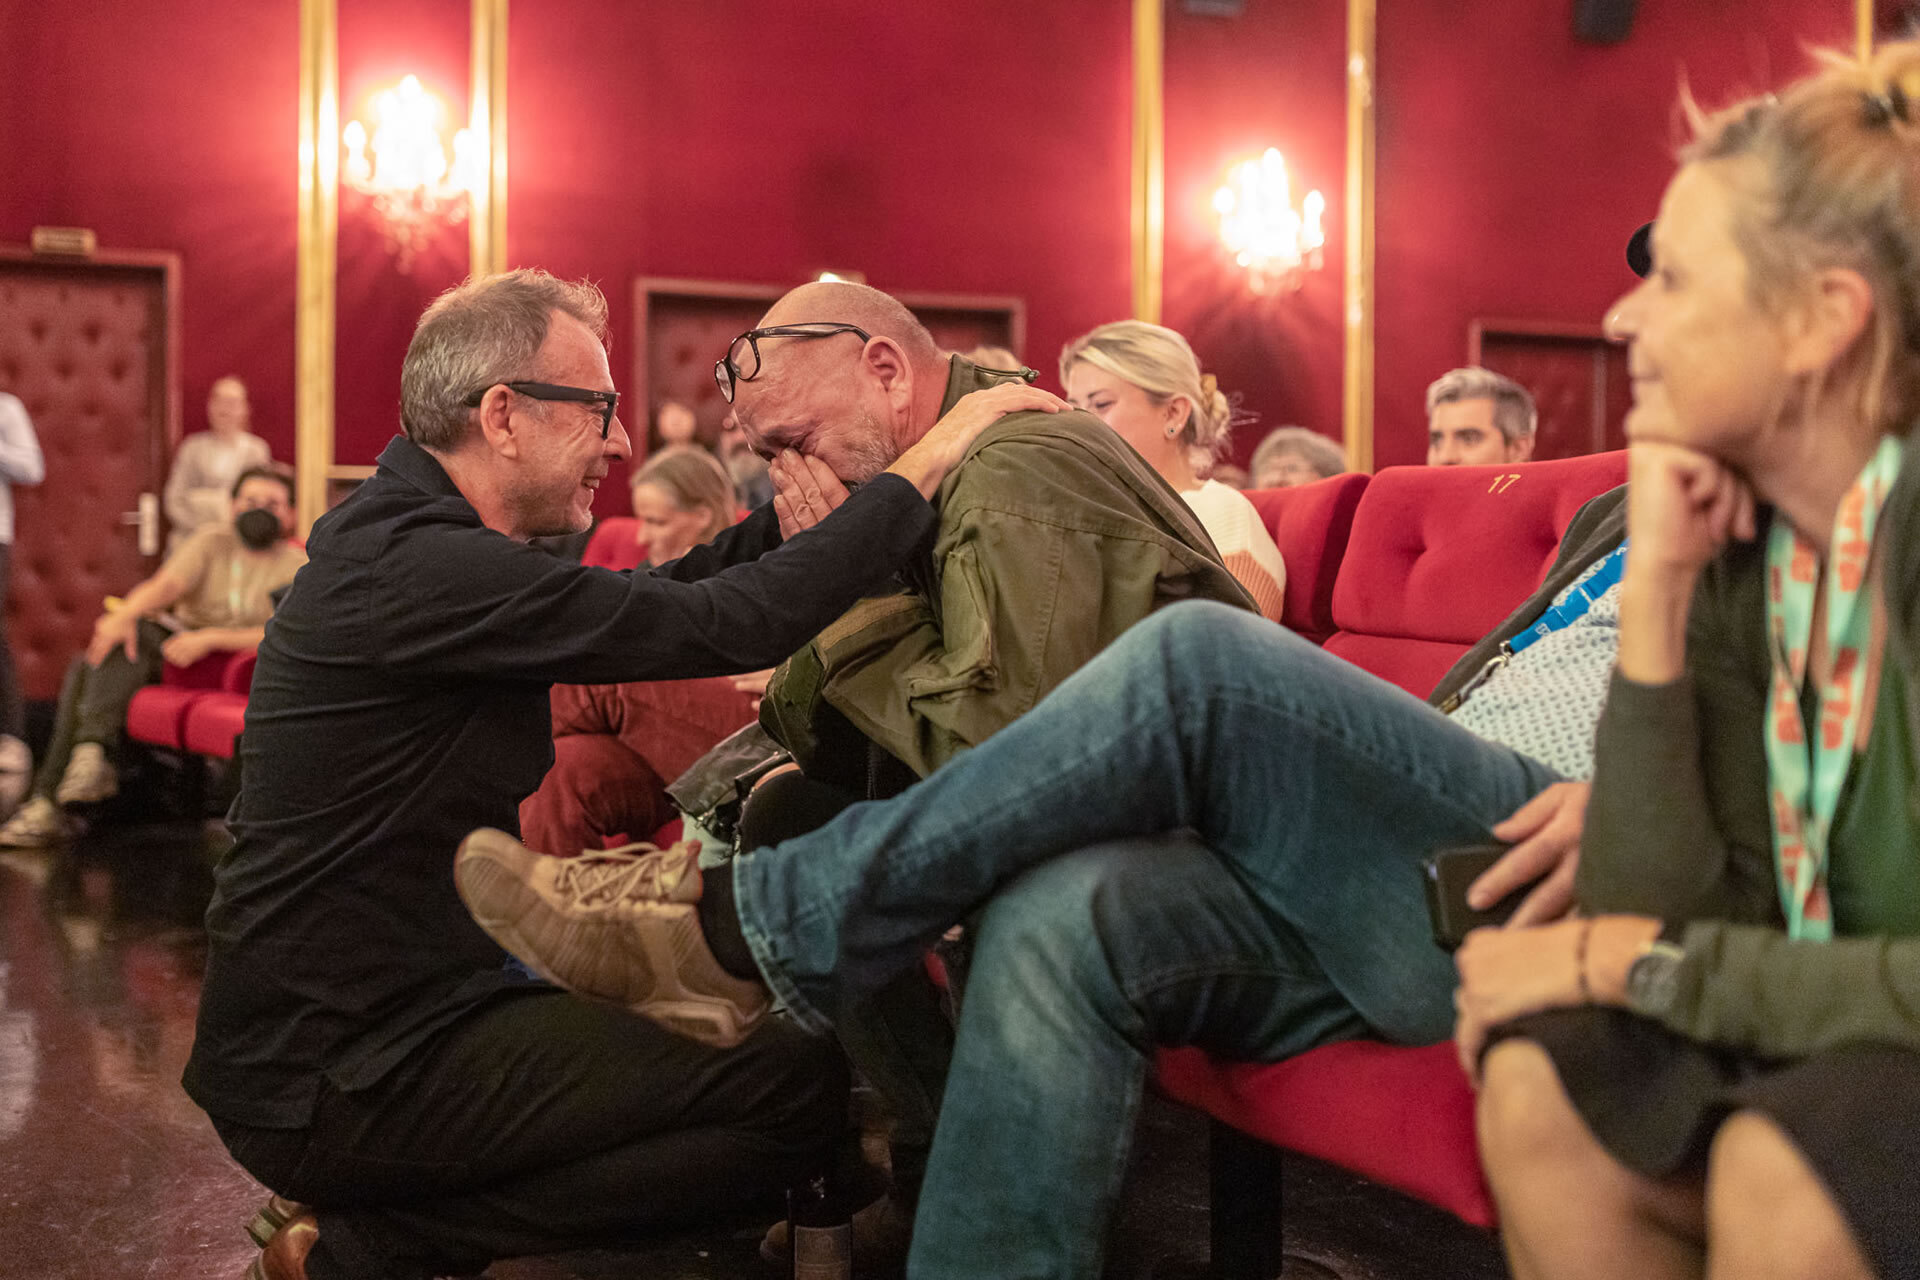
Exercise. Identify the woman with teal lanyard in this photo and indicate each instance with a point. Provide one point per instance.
(1715, 1069)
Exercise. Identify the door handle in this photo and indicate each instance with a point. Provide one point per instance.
(148, 518)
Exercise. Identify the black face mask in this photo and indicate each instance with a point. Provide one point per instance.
(257, 528)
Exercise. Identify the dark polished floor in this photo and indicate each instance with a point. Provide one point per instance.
(108, 1172)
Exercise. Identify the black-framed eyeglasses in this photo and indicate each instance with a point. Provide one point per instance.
(606, 400)
(742, 361)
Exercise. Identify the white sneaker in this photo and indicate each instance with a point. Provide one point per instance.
(90, 777)
(16, 772)
(39, 822)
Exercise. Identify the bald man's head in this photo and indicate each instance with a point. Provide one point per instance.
(856, 405)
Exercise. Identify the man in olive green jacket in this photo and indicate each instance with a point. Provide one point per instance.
(1054, 538)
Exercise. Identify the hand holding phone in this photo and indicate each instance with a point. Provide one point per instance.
(1448, 875)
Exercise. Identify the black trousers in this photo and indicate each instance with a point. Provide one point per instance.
(901, 1037)
(542, 1123)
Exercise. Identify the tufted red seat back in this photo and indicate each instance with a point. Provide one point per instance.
(1311, 523)
(1439, 555)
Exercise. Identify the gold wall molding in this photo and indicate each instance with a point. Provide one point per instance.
(316, 241)
(487, 222)
(1149, 157)
(1863, 27)
(1357, 375)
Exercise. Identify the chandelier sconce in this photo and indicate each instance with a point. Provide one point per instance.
(1276, 243)
(408, 178)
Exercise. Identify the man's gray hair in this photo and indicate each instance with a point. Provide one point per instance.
(478, 333)
(1513, 410)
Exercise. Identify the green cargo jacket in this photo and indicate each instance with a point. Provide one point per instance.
(1678, 826)
(1054, 537)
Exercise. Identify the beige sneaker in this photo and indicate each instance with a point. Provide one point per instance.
(90, 777)
(38, 823)
(618, 925)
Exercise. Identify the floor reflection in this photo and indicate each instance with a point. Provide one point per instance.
(106, 1169)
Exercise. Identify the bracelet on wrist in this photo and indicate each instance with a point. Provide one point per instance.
(1580, 944)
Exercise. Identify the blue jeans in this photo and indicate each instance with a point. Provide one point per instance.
(1286, 915)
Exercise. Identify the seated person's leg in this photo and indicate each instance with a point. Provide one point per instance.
(1081, 966)
(547, 1123)
(1320, 787)
(1564, 1201)
(597, 789)
(900, 1037)
(672, 723)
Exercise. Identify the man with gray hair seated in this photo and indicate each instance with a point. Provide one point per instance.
(1478, 417)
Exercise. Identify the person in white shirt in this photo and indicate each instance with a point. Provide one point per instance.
(1143, 381)
(200, 486)
(21, 462)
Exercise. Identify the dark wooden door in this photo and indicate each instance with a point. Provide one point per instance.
(87, 346)
(1578, 380)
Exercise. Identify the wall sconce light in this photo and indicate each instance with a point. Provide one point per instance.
(408, 179)
(1275, 242)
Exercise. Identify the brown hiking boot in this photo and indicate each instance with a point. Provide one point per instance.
(618, 925)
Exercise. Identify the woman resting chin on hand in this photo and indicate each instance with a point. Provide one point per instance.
(1715, 1069)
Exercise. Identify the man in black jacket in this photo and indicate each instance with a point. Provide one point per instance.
(362, 1046)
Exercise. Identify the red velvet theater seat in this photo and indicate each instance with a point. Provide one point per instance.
(1439, 555)
(157, 715)
(615, 545)
(212, 724)
(1310, 523)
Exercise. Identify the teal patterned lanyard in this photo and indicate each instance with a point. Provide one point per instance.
(1807, 764)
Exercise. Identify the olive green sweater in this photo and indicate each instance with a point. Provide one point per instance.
(1678, 828)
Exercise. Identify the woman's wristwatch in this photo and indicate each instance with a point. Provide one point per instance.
(1653, 979)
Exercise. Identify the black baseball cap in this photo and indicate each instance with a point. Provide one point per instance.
(1640, 251)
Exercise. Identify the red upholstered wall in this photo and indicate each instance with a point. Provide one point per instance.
(1514, 162)
(379, 43)
(164, 125)
(979, 148)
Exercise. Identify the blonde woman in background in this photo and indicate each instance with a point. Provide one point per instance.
(200, 486)
(682, 498)
(1143, 381)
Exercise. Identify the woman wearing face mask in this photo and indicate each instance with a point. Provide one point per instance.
(1143, 381)
(213, 595)
(616, 746)
(1721, 1070)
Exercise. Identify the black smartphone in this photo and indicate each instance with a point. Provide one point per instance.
(1448, 873)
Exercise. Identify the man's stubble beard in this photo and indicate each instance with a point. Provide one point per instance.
(870, 451)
